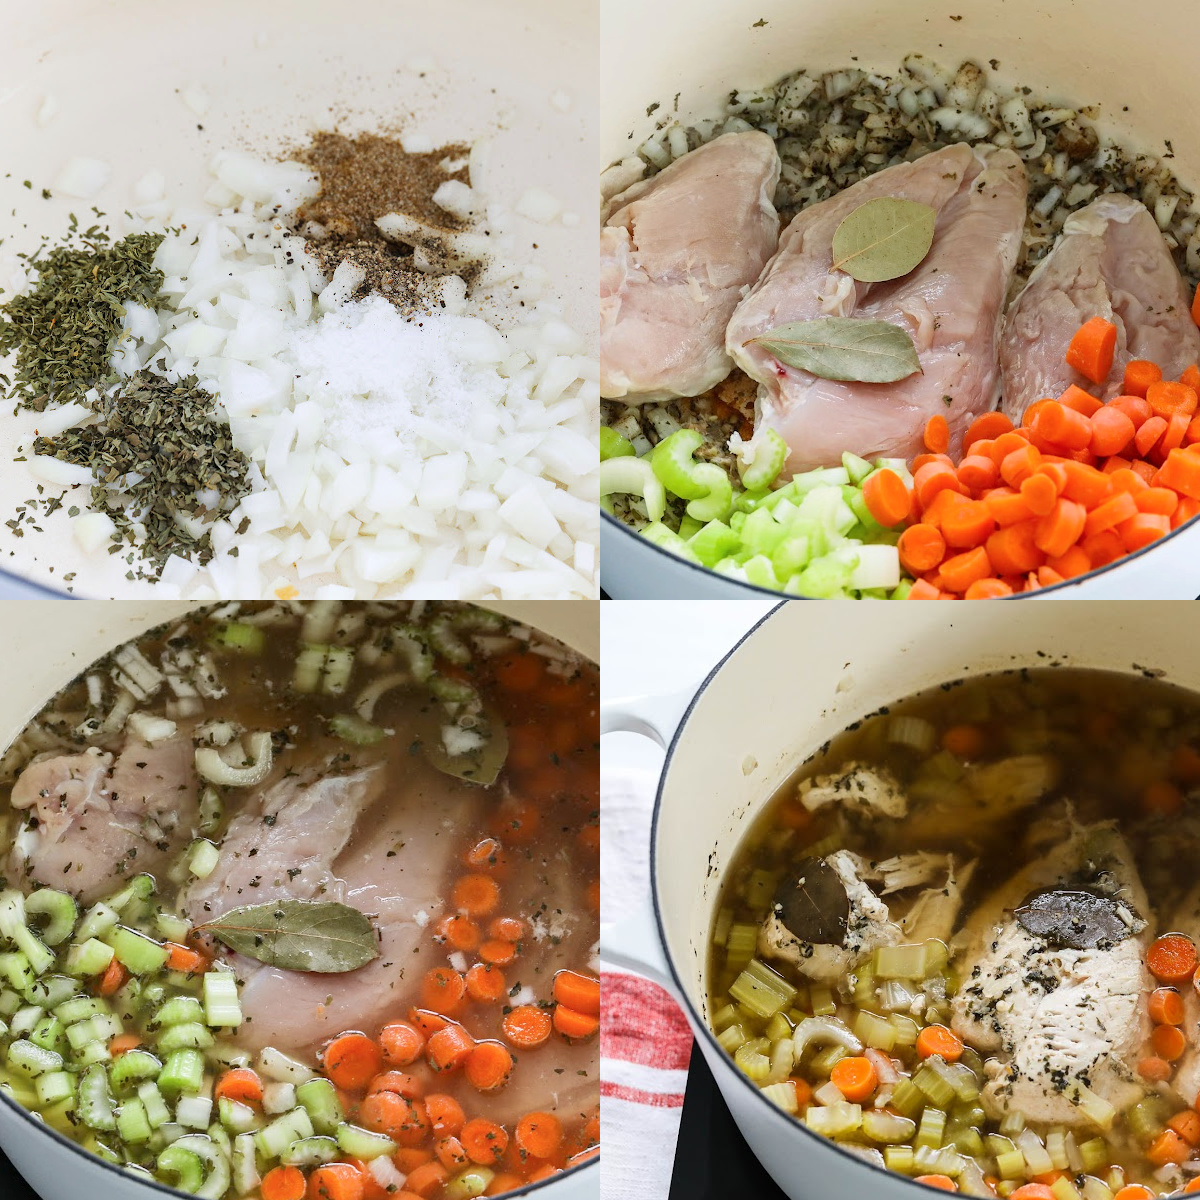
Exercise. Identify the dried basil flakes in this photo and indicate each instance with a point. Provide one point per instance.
(161, 455)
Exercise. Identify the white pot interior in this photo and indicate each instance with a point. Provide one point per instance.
(275, 72)
(686, 57)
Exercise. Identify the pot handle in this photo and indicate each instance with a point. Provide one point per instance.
(633, 944)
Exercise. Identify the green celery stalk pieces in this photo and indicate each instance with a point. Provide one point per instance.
(704, 485)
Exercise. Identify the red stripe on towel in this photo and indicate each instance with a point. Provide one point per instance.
(642, 1024)
(615, 1091)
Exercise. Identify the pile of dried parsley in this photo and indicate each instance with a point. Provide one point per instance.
(64, 328)
(155, 450)
(158, 451)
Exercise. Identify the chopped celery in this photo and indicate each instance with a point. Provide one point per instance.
(783, 1095)
(1095, 1153)
(273, 1139)
(97, 920)
(474, 1181)
(875, 1031)
(32, 1060)
(834, 1120)
(182, 1072)
(932, 1129)
(61, 910)
(16, 971)
(732, 1037)
(310, 1151)
(54, 1087)
(908, 1099)
(173, 928)
(762, 990)
(361, 1143)
(613, 445)
(752, 1062)
(95, 1101)
(246, 1178)
(825, 1060)
(201, 1166)
(352, 728)
(157, 1113)
(320, 1100)
(902, 962)
(190, 1035)
(248, 639)
(222, 1008)
(140, 887)
(1056, 1150)
(132, 1125)
(741, 944)
(137, 953)
(634, 477)
(1064, 1189)
(88, 958)
(137, 1064)
(900, 1159)
(202, 858)
(823, 1004)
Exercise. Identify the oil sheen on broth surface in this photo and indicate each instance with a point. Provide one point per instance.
(961, 942)
(301, 899)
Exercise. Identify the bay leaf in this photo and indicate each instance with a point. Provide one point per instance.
(299, 935)
(845, 348)
(482, 764)
(883, 239)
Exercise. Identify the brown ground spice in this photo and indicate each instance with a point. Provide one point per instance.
(364, 178)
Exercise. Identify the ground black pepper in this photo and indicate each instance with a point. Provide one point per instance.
(364, 178)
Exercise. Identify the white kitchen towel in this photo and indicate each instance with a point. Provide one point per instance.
(645, 1042)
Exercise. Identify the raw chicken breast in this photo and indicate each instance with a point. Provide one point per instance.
(1060, 1017)
(396, 871)
(1111, 261)
(393, 856)
(950, 304)
(676, 256)
(94, 822)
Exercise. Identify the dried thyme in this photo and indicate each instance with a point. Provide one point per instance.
(159, 454)
(65, 327)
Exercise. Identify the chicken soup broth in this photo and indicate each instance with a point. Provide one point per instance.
(962, 939)
(302, 897)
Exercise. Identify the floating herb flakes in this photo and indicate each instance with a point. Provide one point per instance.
(844, 348)
(159, 454)
(64, 328)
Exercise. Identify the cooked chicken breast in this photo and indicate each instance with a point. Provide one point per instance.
(676, 256)
(1054, 982)
(1111, 261)
(950, 304)
(827, 919)
(870, 791)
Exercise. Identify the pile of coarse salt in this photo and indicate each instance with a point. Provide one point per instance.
(441, 458)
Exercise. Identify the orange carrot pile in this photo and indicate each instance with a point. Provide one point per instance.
(1079, 485)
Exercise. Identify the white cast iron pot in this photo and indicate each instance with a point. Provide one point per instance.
(800, 677)
(46, 646)
(688, 55)
(115, 73)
